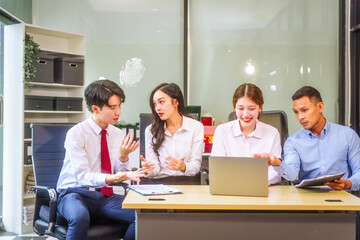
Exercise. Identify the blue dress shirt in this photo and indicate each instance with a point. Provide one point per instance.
(310, 156)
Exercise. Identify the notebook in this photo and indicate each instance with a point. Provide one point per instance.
(242, 176)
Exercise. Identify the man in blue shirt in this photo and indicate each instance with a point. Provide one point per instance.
(320, 147)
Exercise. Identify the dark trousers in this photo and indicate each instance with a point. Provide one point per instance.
(78, 206)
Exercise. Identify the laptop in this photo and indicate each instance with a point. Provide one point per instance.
(242, 176)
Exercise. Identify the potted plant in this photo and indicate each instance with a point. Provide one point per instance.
(31, 61)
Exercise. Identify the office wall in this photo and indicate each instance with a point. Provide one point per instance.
(22, 9)
(116, 32)
(287, 43)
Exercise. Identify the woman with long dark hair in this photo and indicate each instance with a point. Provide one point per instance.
(173, 142)
(247, 135)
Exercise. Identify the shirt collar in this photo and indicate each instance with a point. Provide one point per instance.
(185, 125)
(324, 131)
(237, 130)
(95, 127)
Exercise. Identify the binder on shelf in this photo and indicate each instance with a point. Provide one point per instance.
(27, 153)
(154, 189)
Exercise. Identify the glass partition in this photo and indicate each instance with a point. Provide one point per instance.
(278, 45)
(136, 43)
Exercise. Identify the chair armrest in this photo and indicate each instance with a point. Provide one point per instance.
(52, 192)
(204, 176)
(124, 185)
(52, 206)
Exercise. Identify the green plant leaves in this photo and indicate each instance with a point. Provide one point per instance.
(31, 60)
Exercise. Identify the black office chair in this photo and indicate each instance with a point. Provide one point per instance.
(48, 155)
(146, 120)
(275, 118)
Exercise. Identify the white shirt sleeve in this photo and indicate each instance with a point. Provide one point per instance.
(150, 155)
(121, 167)
(273, 176)
(193, 163)
(218, 148)
(75, 145)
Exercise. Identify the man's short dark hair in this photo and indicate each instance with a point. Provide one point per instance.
(99, 92)
(309, 92)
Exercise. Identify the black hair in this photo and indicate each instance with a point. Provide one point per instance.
(157, 128)
(99, 92)
(309, 92)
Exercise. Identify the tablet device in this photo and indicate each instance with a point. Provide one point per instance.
(320, 180)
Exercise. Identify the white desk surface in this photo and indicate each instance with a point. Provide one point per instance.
(287, 198)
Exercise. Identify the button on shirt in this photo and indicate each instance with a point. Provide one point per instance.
(310, 156)
(187, 141)
(230, 141)
(82, 163)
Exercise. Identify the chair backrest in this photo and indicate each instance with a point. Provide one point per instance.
(48, 152)
(275, 118)
(145, 120)
(191, 109)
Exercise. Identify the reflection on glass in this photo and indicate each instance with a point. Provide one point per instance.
(250, 69)
(132, 73)
(122, 38)
(290, 43)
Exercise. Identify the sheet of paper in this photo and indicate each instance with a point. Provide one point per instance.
(154, 189)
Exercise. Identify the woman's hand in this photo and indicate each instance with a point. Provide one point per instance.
(175, 164)
(127, 146)
(147, 166)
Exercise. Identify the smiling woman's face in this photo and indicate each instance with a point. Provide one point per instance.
(247, 111)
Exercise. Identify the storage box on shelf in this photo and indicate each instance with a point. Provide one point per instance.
(37, 106)
(69, 71)
(68, 104)
(45, 69)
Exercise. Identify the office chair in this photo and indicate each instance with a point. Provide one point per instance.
(275, 118)
(48, 155)
(146, 120)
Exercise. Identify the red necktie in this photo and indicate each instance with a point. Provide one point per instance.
(105, 163)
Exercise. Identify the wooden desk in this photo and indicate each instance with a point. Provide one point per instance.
(287, 213)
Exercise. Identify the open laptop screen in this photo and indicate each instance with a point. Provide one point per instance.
(243, 176)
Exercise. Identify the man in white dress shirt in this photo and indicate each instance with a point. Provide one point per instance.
(85, 189)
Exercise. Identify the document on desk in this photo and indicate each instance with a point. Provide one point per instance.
(154, 189)
(319, 180)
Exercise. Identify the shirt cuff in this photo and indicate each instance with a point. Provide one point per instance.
(354, 184)
(281, 168)
(123, 166)
(101, 179)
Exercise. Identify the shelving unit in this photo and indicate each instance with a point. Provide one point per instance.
(52, 42)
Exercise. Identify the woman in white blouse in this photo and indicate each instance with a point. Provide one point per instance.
(173, 142)
(247, 135)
